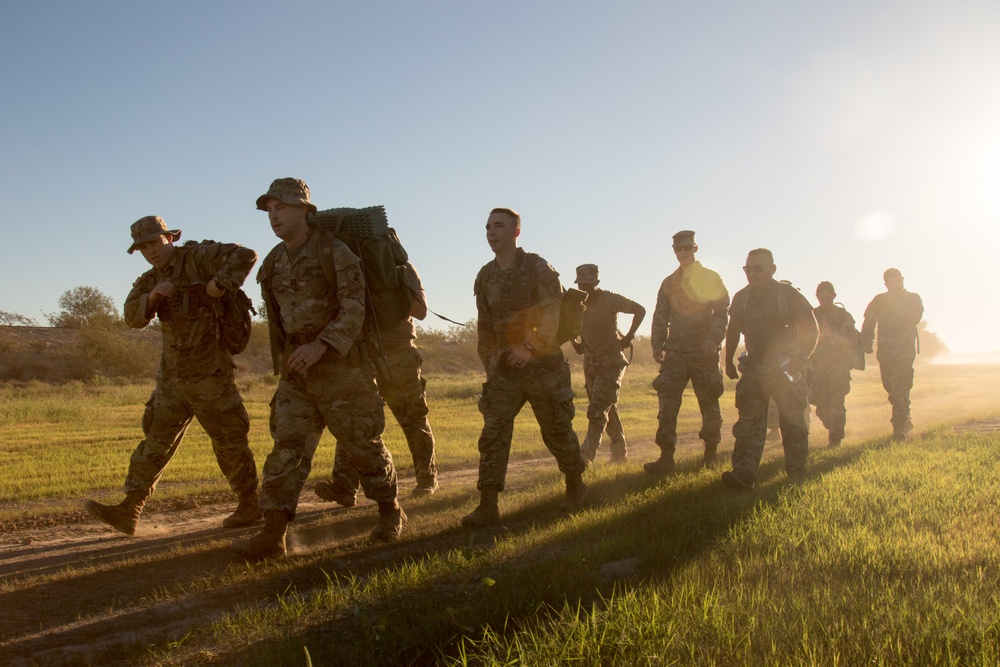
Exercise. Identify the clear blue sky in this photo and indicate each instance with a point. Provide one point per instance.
(846, 136)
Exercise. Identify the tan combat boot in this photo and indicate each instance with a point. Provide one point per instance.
(247, 512)
(391, 518)
(487, 513)
(711, 453)
(269, 542)
(124, 516)
(576, 492)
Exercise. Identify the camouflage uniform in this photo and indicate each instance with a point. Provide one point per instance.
(521, 304)
(830, 367)
(603, 367)
(768, 318)
(196, 370)
(401, 385)
(338, 391)
(691, 309)
(896, 316)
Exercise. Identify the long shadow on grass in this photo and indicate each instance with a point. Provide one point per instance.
(663, 523)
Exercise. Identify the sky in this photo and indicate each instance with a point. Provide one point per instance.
(846, 136)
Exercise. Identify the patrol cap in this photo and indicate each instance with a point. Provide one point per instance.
(289, 190)
(684, 237)
(586, 274)
(148, 228)
(826, 286)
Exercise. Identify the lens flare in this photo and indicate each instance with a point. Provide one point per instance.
(875, 226)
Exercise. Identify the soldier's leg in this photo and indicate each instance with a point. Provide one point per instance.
(605, 387)
(750, 428)
(708, 387)
(669, 386)
(352, 409)
(499, 404)
(164, 424)
(296, 427)
(591, 441)
(840, 386)
(616, 433)
(551, 398)
(220, 411)
(404, 391)
(899, 397)
(792, 402)
(820, 394)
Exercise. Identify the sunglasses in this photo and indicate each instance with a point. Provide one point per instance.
(683, 248)
(756, 268)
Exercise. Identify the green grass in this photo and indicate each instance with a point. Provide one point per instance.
(887, 554)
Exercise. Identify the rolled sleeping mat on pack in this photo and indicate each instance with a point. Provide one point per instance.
(361, 223)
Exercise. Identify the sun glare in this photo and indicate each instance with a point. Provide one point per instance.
(875, 226)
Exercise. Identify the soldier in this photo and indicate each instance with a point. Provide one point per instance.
(397, 370)
(896, 313)
(184, 289)
(780, 332)
(831, 363)
(689, 323)
(603, 361)
(518, 297)
(326, 376)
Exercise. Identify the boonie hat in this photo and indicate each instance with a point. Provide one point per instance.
(684, 237)
(586, 274)
(148, 228)
(289, 190)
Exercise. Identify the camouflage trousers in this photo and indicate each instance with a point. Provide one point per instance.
(339, 394)
(706, 379)
(403, 388)
(603, 381)
(550, 394)
(829, 385)
(897, 379)
(216, 403)
(758, 384)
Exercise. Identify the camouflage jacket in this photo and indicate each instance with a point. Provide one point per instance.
(896, 316)
(317, 293)
(692, 306)
(190, 318)
(516, 305)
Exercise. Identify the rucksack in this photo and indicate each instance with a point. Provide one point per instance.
(233, 311)
(571, 307)
(383, 260)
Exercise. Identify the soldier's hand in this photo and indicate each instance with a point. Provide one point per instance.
(577, 347)
(709, 349)
(659, 355)
(627, 340)
(163, 290)
(214, 290)
(731, 371)
(305, 356)
(869, 348)
(518, 356)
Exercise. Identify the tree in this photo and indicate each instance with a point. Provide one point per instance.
(931, 344)
(84, 307)
(16, 320)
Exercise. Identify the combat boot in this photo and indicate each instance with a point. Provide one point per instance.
(247, 512)
(711, 450)
(662, 466)
(425, 488)
(124, 516)
(334, 493)
(487, 513)
(576, 492)
(269, 542)
(391, 518)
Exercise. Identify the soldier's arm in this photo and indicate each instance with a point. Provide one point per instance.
(868, 326)
(719, 318)
(732, 342)
(917, 310)
(661, 319)
(412, 278)
(806, 327)
(341, 332)
(137, 304)
(486, 342)
(638, 314)
(228, 263)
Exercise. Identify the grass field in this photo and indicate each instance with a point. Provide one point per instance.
(887, 555)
